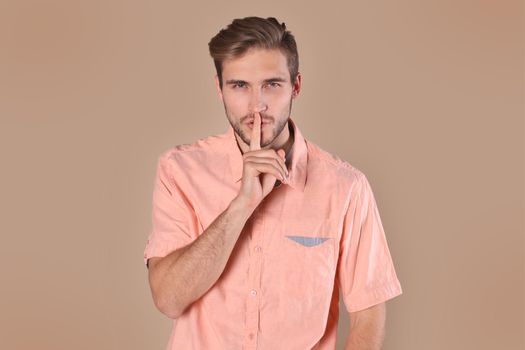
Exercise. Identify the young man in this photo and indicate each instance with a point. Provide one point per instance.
(256, 230)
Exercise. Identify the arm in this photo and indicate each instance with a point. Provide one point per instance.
(184, 275)
(367, 328)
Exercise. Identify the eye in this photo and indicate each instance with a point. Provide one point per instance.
(274, 84)
(237, 84)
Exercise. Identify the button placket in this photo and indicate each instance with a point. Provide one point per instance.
(254, 278)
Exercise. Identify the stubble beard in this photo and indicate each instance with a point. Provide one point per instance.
(276, 130)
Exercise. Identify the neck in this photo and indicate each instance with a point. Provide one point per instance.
(288, 145)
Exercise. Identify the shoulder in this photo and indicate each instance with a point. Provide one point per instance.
(193, 152)
(332, 164)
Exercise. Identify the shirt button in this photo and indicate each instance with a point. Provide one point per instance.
(251, 335)
(257, 249)
(253, 292)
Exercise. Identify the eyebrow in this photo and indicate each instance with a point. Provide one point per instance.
(270, 80)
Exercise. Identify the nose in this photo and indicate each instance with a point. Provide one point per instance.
(257, 101)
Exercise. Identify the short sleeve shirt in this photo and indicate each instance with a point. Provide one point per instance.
(316, 236)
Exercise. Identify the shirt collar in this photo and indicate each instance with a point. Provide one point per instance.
(299, 154)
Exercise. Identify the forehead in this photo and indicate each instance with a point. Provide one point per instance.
(256, 64)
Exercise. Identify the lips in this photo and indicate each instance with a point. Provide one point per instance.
(250, 123)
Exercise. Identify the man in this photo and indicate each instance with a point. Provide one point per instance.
(255, 231)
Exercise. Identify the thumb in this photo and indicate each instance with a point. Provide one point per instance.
(281, 153)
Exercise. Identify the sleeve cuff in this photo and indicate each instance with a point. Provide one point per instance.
(372, 297)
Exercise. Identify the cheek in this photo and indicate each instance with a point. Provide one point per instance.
(235, 103)
(279, 97)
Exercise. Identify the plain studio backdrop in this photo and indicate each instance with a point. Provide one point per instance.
(425, 97)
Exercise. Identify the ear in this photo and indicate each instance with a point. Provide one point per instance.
(218, 87)
(296, 88)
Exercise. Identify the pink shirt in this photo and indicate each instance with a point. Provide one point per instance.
(308, 241)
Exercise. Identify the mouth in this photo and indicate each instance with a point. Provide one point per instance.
(264, 123)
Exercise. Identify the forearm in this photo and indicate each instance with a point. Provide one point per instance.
(364, 338)
(185, 276)
(367, 328)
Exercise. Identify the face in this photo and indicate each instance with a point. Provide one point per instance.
(258, 81)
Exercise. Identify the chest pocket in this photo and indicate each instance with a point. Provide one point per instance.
(303, 254)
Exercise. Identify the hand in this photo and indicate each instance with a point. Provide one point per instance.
(265, 162)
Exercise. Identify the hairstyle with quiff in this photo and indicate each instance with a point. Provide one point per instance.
(253, 32)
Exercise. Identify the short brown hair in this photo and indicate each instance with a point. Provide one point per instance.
(253, 32)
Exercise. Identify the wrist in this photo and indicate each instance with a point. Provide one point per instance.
(242, 206)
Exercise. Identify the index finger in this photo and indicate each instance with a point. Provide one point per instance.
(255, 141)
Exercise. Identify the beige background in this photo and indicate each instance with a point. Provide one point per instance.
(426, 98)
